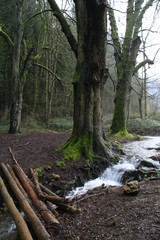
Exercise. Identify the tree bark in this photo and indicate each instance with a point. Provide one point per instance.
(17, 182)
(19, 221)
(16, 99)
(37, 226)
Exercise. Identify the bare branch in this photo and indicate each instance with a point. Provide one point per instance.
(141, 64)
(65, 27)
(6, 37)
(47, 69)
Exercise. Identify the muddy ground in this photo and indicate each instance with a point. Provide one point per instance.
(105, 213)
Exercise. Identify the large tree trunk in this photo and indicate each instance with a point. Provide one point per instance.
(87, 137)
(119, 116)
(16, 101)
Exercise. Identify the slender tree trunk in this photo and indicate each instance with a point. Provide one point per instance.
(140, 99)
(35, 97)
(15, 114)
(140, 107)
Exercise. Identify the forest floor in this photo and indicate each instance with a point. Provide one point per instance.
(105, 213)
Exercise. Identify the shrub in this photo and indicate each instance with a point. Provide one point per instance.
(61, 124)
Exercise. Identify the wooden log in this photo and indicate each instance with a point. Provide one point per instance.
(51, 208)
(62, 206)
(46, 190)
(45, 213)
(17, 181)
(42, 196)
(13, 157)
(37, 186)
(18, 219)
(68, 208)
(36, 224)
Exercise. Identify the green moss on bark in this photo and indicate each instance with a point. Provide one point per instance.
(123, 133)
(77, 146)
(77, 77)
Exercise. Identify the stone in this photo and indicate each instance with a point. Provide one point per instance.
(147, 164)
(130, 175)
(131, 187)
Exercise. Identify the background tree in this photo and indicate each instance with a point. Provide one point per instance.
(125, 57)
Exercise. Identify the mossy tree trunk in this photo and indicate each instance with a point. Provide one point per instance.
(20, 60)
(123, 90)
(125, 57)
(87, 136)
(17, 90)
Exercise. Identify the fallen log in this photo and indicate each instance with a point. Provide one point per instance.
(45, 213)
(37, 186)
(52, 209)
(18, 219)
(16, 180)
(45, 197)
(36, 224)
(13, 157)
(62, 206)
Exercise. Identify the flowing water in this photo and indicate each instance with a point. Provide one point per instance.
(135, 152)
(7, 227)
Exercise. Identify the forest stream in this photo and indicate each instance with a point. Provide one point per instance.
(134, 154)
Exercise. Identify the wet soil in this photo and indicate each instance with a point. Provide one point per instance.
(105, 213)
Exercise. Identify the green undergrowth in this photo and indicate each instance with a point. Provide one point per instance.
(61, 124)
(40, 171)
(144, 126)
(116, 145)
(31, 123)
(4, 128)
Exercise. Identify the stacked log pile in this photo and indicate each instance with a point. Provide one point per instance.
(32, 197)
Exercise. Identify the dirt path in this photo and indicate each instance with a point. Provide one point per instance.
(106, 213)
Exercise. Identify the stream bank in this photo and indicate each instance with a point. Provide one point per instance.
(100, 206)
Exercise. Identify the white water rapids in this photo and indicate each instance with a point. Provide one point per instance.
(134, 153)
